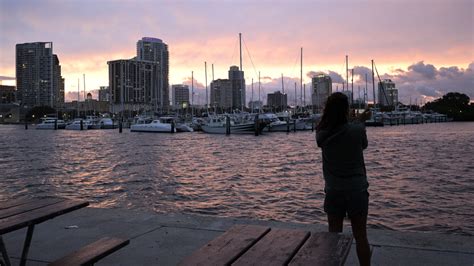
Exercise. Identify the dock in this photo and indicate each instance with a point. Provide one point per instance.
(165, 239)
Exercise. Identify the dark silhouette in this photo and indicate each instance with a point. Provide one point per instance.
(342, 143)
(454, 104)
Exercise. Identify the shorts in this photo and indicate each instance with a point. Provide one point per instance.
(341, 203)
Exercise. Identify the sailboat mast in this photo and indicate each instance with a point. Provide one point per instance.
(242, 92)
(296, 98)
(78, 96)
(352, 86)
(301, 77)
(192, 93)
(259, 102)
(365, 92)
(347, 72)
(282, 84)
(373, 84)
(205, 78)
(253, 103)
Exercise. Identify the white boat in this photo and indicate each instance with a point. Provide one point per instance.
(76, 125)
(49, 123)
(155, 126)
(180, 127)
(217, 125)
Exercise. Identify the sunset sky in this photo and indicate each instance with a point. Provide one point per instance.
(425, 46)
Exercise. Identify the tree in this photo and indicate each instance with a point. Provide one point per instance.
(453, 104)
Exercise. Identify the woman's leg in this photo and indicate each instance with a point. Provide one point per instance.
(335, 223)
(359, 230)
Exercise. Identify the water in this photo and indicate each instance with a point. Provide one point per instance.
(421, 176)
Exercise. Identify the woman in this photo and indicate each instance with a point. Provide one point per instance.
(342, 144)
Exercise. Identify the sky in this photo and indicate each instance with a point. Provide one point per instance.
(425, 46)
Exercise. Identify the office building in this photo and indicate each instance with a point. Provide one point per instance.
(38, 75)
(277, 100)
(238, 87)
(180, 96)
(387, 93)
(321, 89)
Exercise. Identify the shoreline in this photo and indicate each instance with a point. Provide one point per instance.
(165, 239)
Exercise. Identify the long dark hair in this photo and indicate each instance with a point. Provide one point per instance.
(335, 112)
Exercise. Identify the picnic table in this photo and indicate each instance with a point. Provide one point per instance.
(23, 213)
(262, 245)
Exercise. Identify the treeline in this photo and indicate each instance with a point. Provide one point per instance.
(454, 104)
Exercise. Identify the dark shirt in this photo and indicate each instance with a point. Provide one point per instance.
(343, 158)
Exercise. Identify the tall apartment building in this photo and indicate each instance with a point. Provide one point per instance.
(321, 89)
(38, 75)
(136, 84)
(180, 95)
(142, 82)
(221, 94)
(238, 87)
(387, 93)
(229, 93)
(277, 100)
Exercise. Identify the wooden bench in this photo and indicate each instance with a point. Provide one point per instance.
(260, 245)
(92, 253)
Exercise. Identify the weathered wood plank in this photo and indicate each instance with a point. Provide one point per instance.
(324, 249)
(92, 253)
(29, 206)
(39, 215)
(227, 247)
(275, 248)
(13, 203)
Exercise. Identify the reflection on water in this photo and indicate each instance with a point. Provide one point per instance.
(421, 176)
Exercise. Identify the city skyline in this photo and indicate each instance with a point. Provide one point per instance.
(424, 46)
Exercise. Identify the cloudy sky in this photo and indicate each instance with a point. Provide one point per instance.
(425, 46)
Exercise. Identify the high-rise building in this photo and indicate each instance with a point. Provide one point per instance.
(104, 94)
(277, 100)
(180, 96)
(387, 93)
(136, 84)
(142, 82)
(38, 75)
(229, 93)
(155, 50)
(221, 94)
(238, 87)
(321, 89)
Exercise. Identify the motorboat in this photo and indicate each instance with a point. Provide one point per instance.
(218, 125)
(180, 127)
(76, 125)
(51, 123)
(156, 126)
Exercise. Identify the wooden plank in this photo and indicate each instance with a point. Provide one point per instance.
(275, 248)
(324, 249)
(33, 205)
(39, 215)
(92, 253)
(227, 247)
(13, 203)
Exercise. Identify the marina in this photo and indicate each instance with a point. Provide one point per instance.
(274, 177)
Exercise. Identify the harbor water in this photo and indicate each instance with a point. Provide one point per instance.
(421, 176)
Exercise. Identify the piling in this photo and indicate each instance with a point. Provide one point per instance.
(120, 126)
(26, 124)
(256, 125)
(227, 125)
(55, 124)
(82, 124)
(294, 125)
(287, 125)
(172, 126)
